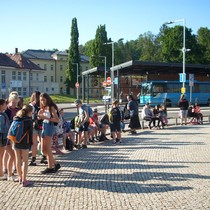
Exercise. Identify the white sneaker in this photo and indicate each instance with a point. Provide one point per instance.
(11, 178)
(3, 178)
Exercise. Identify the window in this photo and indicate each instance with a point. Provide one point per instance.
(31, 76)
(14, 75)
(61, 79)
(51, 78)
(3, 77)
(45, 78)
(24, 91)
(46, 89)
(52, 89)
(51, 67)
(61, 67)
(45, 66)
(37, 77)
(19, 76)
(24, 76)
(19, 90)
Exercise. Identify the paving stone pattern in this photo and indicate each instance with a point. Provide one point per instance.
(153, 169)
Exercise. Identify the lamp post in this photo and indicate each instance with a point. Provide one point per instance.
(112, 70)
(101, 56)
(77, 78)
(183, 49)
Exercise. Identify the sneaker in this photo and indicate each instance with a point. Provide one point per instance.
(77, 146)
(27, 183)
(48, 171)
(18, 180)
(84, 146)
(43, 160)
(117, 140)
(57, 167)
(32, 163)
(11, 178)
(3, 178)
(114, 142)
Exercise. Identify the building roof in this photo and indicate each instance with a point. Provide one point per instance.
(49, 55)
(23, 62)
(17, 61)
(7, 61)
(38, 54)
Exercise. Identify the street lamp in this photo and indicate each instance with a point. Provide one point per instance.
(112, 71)
(77, 78)
(183, 49)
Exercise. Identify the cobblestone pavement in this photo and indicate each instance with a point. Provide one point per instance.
(154, 169)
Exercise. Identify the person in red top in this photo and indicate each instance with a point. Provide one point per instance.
(197, 110)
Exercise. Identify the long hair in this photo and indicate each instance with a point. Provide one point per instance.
(24, 111)
(35, 97)
(49, 101)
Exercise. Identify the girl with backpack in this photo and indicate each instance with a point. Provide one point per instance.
(22, 148)
(9, 156)
(49, 114)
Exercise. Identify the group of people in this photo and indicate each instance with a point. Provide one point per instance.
(90, 128)
(159, 114)
(39, 118)
(189, 110)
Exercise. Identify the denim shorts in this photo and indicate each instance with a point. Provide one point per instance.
(48, 129)
(183, 113)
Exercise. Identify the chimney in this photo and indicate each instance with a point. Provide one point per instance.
(16, 50)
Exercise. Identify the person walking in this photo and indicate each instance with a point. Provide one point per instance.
(183, 105)
(49, 114)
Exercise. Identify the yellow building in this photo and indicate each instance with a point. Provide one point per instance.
(55, 64)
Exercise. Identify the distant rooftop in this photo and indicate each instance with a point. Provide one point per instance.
(17, 61)
(48, 55)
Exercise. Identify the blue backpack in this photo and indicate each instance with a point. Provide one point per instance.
(4, 125)
(16, 133)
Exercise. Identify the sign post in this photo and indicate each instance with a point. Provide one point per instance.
(109, 80)
(191, 84)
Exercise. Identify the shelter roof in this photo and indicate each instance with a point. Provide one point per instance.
(141, 67)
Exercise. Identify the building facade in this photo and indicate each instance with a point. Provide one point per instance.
(55, 64)
(17, 73)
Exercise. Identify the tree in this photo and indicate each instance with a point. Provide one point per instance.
(203, 39)
(172, 45)
(98, 47)
(73, 57)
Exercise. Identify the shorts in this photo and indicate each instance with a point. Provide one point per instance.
(84, 127)
(183, 113)
(48, 129)
(37, 132)
(115, 126)
(3, 142)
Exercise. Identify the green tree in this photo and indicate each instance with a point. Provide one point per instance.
(73, 57)
(203, 39)
(98, 47)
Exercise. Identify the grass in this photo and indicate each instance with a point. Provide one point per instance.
(57, 98)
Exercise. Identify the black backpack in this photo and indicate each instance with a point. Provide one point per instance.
(115, 114)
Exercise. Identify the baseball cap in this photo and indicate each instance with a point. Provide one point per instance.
(78, 102)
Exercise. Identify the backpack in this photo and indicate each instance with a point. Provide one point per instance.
(115, 115)
(15, 132)
(105, 119)
(4, 125)
(89, 109)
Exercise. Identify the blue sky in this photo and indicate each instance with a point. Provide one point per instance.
(46, 24)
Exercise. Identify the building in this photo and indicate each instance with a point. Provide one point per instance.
(55, 65)
(19, 74)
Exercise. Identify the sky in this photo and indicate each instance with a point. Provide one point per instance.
(46, 24)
